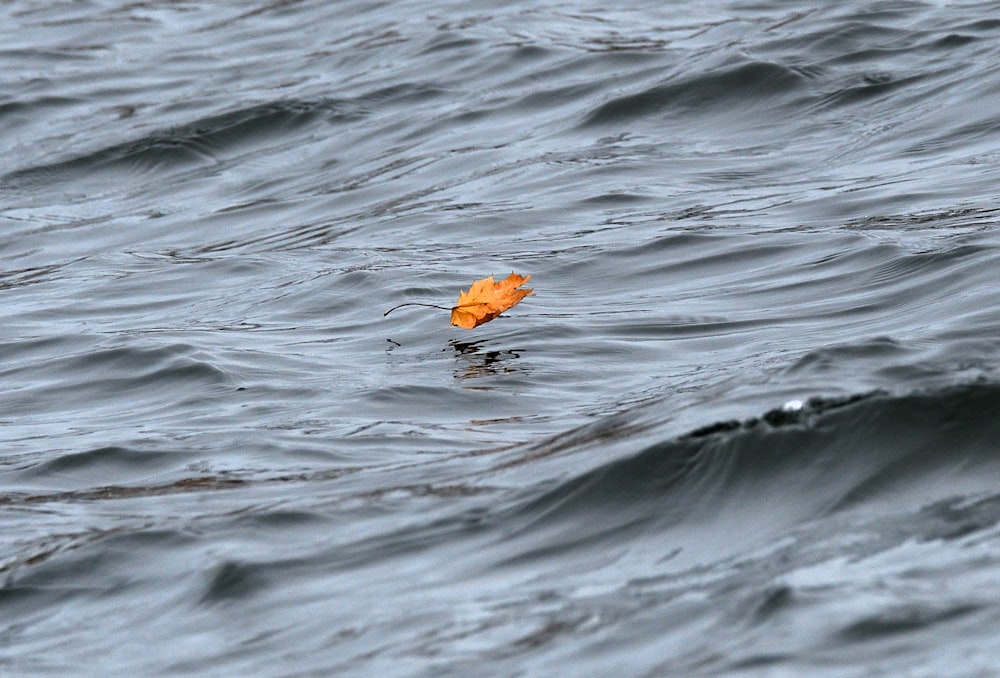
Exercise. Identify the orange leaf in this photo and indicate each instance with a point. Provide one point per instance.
(486, 299)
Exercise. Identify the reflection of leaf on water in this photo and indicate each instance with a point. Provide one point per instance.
(481, 363)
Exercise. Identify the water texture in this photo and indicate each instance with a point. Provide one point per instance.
(746, 426)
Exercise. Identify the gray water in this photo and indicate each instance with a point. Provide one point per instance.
(746, 426)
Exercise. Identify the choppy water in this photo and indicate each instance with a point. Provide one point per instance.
(217, 457)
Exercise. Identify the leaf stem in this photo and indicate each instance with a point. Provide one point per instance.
(415, 303)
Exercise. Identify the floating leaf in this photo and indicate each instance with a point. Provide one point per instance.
(486, 299)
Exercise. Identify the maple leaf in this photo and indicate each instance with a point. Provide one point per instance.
(483, 302)
(486, 299)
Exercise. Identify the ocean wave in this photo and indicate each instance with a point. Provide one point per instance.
(805, 462)
(195, 142)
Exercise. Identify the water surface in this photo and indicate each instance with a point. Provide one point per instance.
(746, 425)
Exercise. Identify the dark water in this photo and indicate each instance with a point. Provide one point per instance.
(747, 426)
